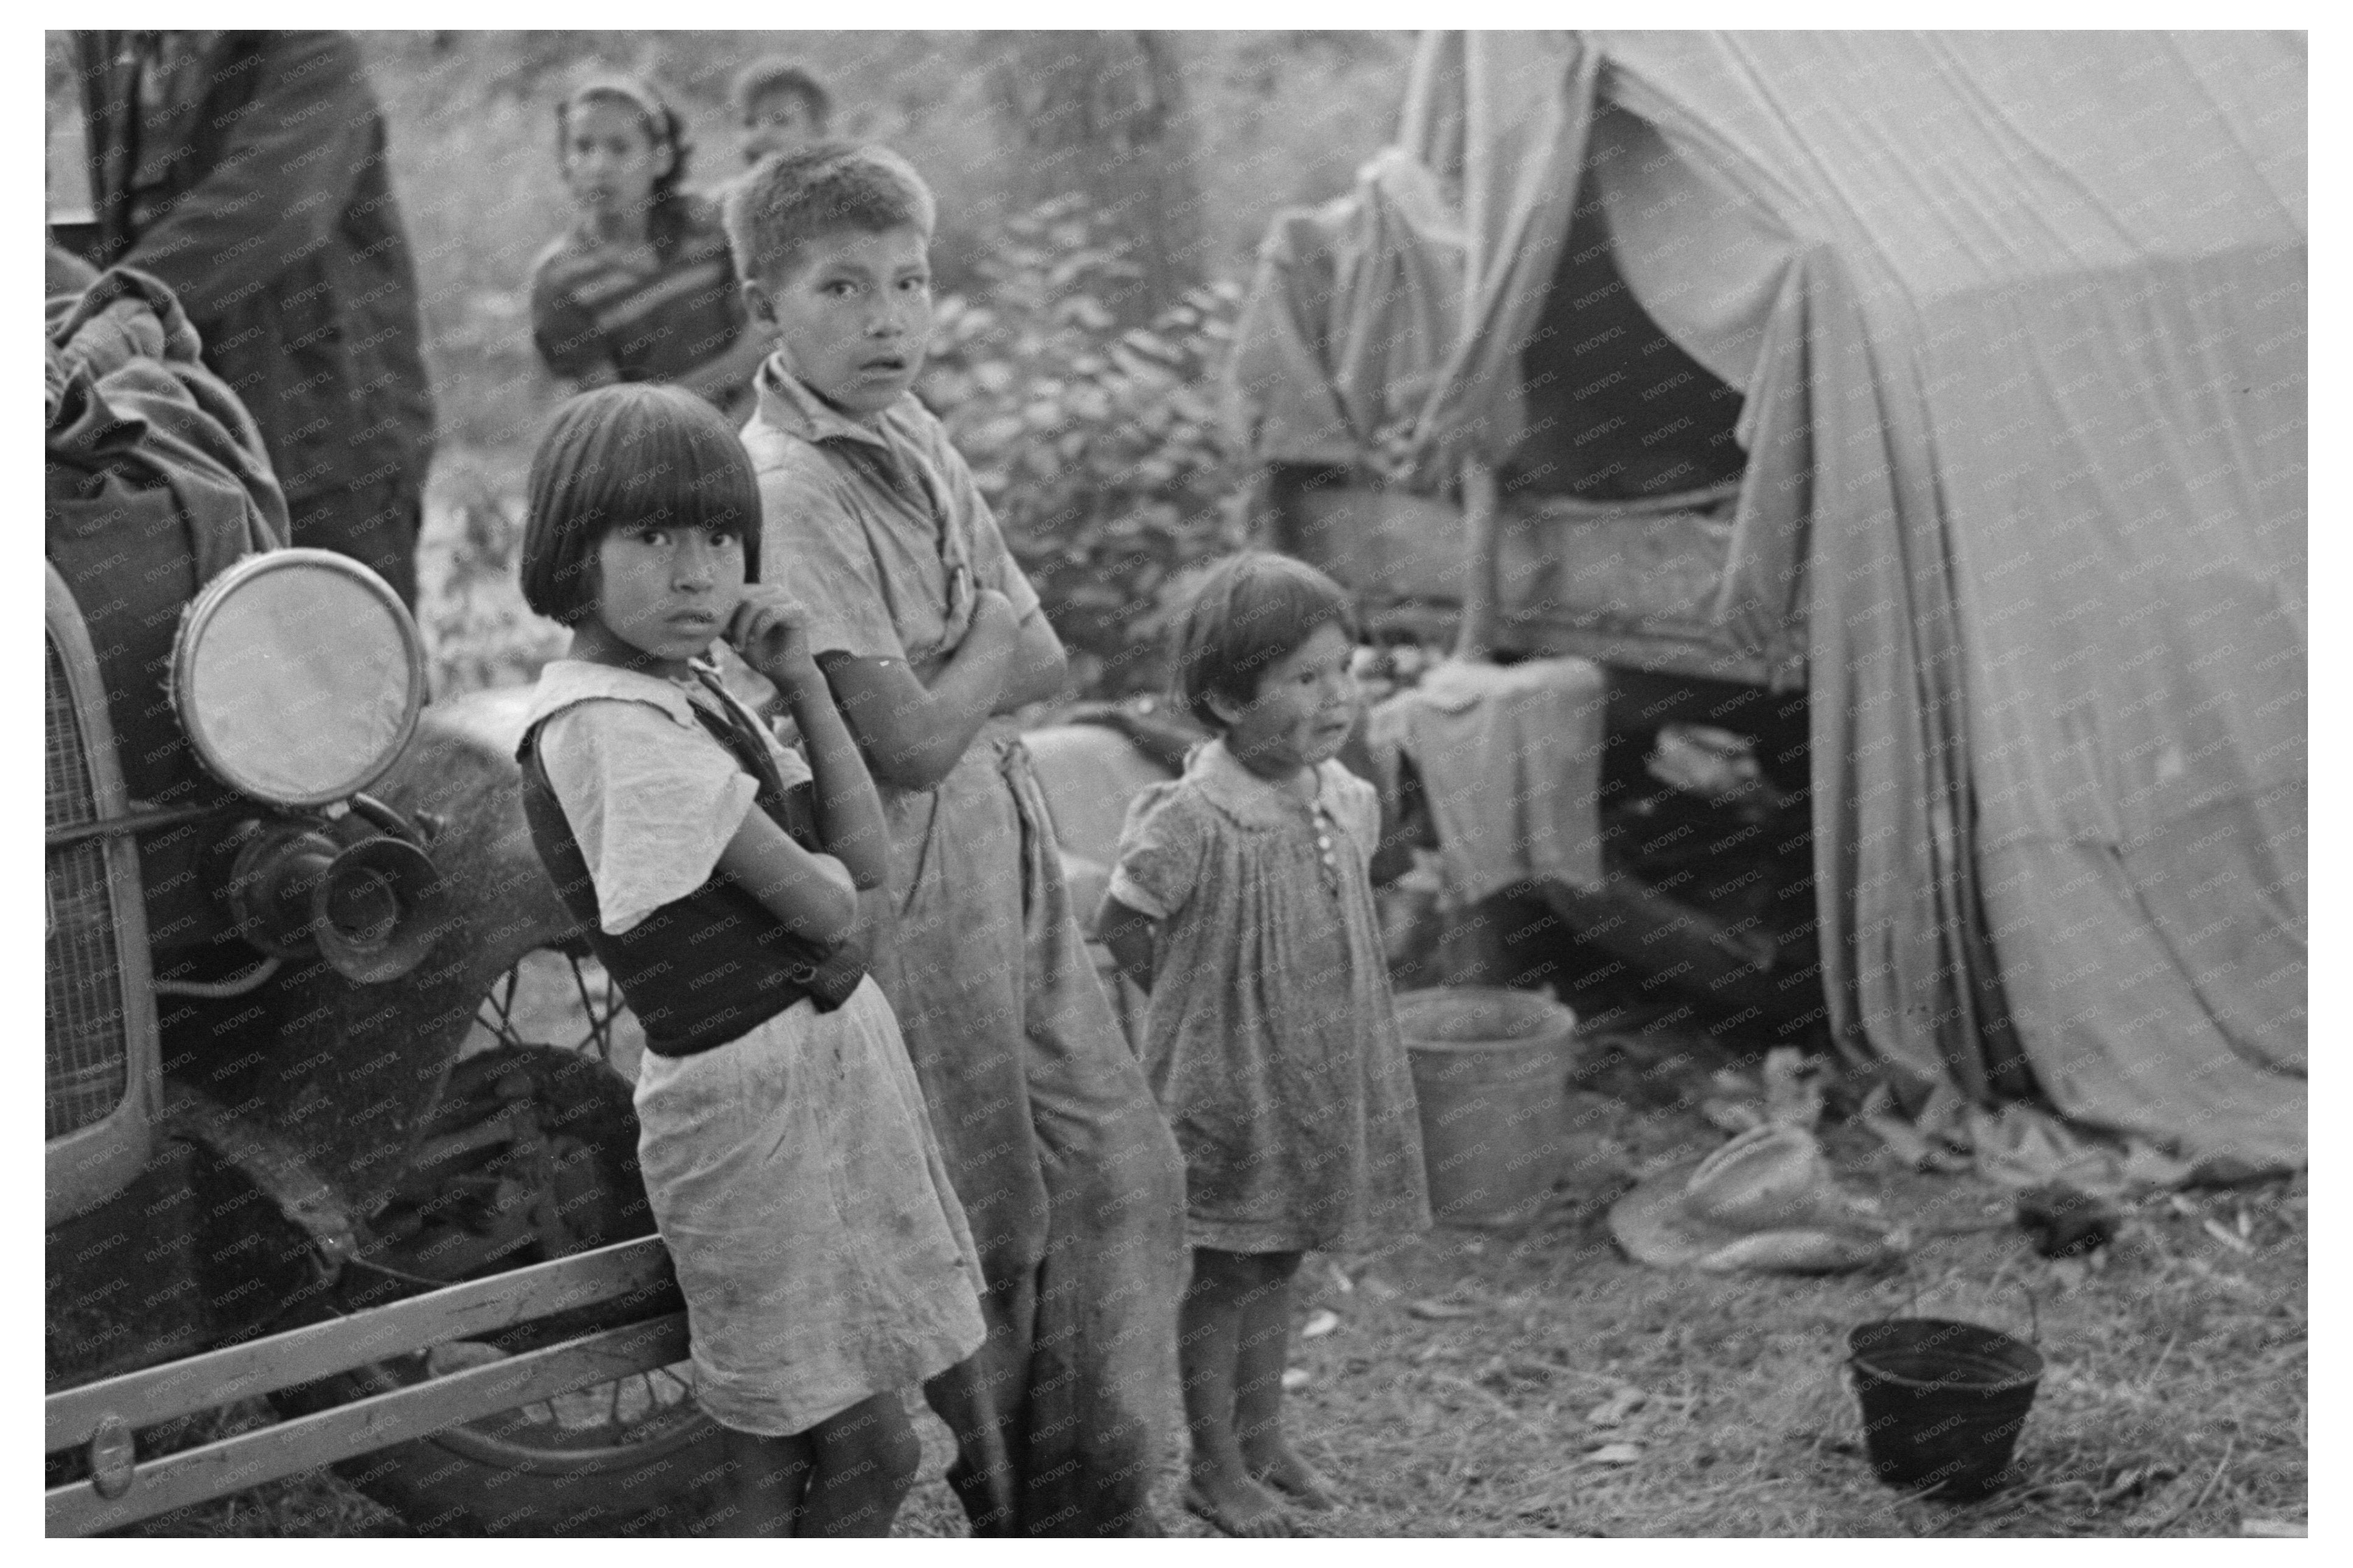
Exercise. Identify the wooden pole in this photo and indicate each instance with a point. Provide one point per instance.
(1476, 637)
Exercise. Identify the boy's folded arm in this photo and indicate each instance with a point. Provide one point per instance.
(913, 735)
(1041, 669)
(850, 823)
(811, 894)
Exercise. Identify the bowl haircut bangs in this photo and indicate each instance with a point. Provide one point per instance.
(623, 456)
(1251, 610)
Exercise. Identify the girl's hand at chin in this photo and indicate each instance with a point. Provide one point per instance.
(770, 630)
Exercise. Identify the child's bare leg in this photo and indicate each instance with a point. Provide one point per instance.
(763, 1483)
(1258, 1389)
(865, 1461)
(1207, 1351)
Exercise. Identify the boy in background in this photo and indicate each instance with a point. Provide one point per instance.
(930, 636)
(782, 108)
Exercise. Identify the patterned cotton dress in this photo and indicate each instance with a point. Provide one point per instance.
(1272, 1042)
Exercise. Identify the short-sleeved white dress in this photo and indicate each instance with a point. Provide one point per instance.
(1272, 1042)
(792, 1171)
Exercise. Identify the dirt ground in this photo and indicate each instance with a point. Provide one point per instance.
(1533, 1382)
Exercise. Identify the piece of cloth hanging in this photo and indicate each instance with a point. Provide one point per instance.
(1510, 759)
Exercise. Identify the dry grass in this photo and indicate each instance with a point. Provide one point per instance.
(2174, 1402)
(1480, 1426)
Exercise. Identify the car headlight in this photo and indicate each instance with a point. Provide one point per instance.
(298, 675)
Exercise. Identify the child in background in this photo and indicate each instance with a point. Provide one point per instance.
(782, 107)
(642, 288)
(930, 636)
(1270, 1042)
(793, 1173)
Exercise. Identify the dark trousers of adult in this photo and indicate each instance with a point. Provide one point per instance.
(1066, 1169)
(374, 524)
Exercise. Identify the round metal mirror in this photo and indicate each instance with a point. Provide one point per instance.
(298, 676)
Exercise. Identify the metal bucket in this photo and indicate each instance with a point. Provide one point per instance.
(1942, 1402)
(1489, 1069)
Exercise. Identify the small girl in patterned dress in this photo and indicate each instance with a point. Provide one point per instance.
(1243, 889)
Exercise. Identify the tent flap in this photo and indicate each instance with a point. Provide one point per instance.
(2018, 323)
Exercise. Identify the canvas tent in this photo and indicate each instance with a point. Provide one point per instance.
(2007, 330)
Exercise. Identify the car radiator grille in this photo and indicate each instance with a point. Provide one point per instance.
(88, 1063)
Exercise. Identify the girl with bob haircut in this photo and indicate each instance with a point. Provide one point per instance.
(1248, 611)
(1274, 1049)
(791, 1167)
(625, 455)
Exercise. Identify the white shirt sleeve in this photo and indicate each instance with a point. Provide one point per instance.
(651, 804)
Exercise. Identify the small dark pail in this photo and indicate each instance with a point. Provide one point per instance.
(1942, 1402)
